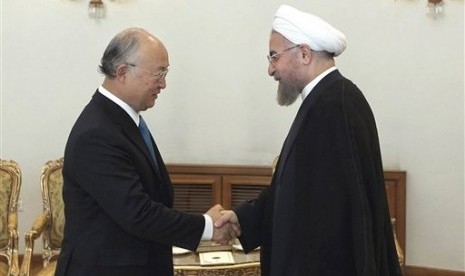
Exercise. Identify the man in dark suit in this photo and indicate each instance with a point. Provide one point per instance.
(117, 191)
(325, 212)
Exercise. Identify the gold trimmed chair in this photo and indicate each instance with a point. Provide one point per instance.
(10, 185)
(50, 223)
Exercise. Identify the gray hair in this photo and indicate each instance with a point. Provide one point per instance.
(120, 50)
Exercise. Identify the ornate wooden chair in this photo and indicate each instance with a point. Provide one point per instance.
(10, 184)
(50, 223)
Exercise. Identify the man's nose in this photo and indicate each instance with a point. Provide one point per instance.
(271, 69)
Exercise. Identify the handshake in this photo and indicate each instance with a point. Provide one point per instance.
(225, 224)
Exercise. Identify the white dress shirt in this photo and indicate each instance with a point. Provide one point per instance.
(309, 87)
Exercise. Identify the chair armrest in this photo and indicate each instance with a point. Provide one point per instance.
(13, 241)
(36, 230)
(40, 223)
(14, 266)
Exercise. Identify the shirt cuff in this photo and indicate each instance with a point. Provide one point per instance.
(208, 230)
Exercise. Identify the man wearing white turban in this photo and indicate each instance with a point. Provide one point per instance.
(325, 212)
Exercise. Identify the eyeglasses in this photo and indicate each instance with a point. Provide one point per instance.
(160, 74)
(274, 57)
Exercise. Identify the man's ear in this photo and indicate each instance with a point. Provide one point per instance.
(306, 53)
(121, 71)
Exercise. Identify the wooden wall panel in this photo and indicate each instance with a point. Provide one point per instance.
(235, 184)
(237, 189)
(395, 183)
(242, 182)
(196, 193)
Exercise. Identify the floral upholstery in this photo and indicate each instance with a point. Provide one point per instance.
(5, 194)
(10, 183)
(52, 185)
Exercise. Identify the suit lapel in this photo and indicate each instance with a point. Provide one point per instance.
(131, 131)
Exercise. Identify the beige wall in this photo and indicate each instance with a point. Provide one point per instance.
(220, 107)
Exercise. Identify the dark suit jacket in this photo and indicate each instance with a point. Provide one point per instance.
(326, 210)
(118, 212)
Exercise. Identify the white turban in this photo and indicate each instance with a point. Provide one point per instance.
(304, 28)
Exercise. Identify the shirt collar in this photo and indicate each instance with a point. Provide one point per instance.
(307, 89)
(131, 112)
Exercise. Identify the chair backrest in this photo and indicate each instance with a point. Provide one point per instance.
(10, 184)
(52, 186)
